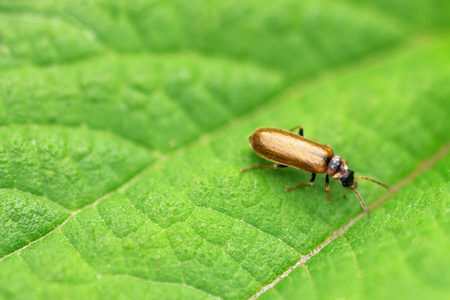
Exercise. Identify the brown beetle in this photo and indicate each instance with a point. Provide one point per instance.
(287, 149)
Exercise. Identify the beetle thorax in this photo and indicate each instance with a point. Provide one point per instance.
(336, 167)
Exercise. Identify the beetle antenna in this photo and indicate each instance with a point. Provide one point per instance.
(373, 180)
(363, 205)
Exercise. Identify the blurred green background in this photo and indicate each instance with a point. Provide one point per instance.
(123, 128)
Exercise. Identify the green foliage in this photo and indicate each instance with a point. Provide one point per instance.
(404, 254)
(123, 128)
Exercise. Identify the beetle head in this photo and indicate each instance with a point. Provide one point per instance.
(348, 180)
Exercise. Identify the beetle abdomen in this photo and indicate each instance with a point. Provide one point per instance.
(289, 149)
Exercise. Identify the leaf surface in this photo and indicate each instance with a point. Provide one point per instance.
(124, 127)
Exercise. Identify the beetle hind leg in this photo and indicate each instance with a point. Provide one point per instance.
(277, 166)
(311, 182)
(300, 130)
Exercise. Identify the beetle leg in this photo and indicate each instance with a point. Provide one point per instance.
(327, 187)
(277, 166)
(300, 130)
(311, 182)
(345, 193)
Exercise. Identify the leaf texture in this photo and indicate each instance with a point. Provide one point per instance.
(123, 128)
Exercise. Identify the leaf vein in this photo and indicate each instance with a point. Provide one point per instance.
(422, 168)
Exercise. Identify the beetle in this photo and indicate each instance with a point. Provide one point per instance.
(288, 149)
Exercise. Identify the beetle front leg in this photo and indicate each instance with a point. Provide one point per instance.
(277, 166)
(311, 182)
(327, 187)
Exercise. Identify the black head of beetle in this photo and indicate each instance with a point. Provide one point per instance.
(348, 180)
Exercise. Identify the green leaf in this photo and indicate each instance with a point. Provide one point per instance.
(123, 128)
(404, 254)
